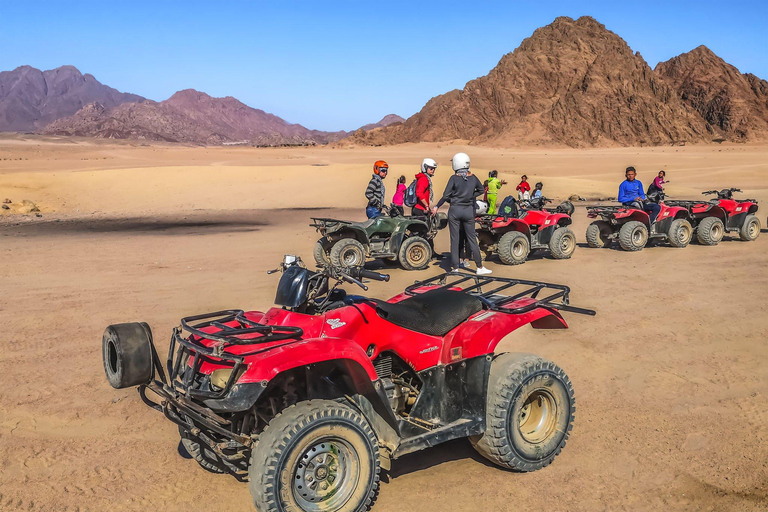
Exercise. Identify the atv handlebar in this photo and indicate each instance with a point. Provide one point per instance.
(349, 279)
(361, 273)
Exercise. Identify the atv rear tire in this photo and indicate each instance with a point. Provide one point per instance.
(633, 236)
(308, 446)
(514, 248)
(710, 231)
(562, 244)
(680, 233)
(529, 412)
(126, 350)
(321, 255)
(348, 252)
(598, 233)
(750, 229)
(415, 253)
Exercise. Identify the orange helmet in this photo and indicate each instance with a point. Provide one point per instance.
(379, 166)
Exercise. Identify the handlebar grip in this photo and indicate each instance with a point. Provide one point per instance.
(736, 190)
(369, 274)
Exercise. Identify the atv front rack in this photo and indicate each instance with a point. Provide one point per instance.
(184, 347)
(515, 290)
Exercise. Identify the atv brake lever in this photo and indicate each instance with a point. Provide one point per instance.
(352, 280)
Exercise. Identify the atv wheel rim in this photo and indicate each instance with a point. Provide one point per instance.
(538, 416)
(518, 250)
(326, 475)
(685, 235)
(637, 237)
(716, 232)
(566, 245)
(417, 255)
(350, 258)
(752, 230)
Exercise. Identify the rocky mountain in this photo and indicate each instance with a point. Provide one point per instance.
(733, 104)
(385, 121)
(30, 98)
(572, 82)
(188, 116)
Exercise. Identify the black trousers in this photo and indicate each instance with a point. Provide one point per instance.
(462, 219)
(415, 212)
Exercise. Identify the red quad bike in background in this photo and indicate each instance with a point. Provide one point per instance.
(712, 219)
(632, 226)
(513, 235)
(310, 399)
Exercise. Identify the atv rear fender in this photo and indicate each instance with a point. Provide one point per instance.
(709, 211)
(502, 225)
(482, 333)
(633, 214)
(348, 232)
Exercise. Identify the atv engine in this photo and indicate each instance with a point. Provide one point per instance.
(400, 382)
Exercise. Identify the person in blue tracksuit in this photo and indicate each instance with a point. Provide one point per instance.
(631, 194)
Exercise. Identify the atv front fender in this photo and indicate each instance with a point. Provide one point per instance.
(307, 352)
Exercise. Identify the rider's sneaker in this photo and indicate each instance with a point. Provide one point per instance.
(484, 271)
(464, 264)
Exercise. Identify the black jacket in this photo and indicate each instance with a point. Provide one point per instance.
(461, 192)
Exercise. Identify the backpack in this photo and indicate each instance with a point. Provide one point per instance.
(508, 207)
(410, 199)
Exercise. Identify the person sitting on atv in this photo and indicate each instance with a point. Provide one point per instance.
(494, 184)
(537, 190)
(375, 190)
(461, 193)
(658, 183)
(631, 195)
(424, 192)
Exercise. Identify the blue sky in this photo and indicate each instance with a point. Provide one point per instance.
(339, 65)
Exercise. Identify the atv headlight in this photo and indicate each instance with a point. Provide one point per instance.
(219, 378)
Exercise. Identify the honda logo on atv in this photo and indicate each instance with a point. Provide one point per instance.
(335, 323)
(430, 349)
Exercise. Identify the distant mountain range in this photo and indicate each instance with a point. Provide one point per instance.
(572, 82)
(576, 83)
(63, 101)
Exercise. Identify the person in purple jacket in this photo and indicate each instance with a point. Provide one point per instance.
(631, 194)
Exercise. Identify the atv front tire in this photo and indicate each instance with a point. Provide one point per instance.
(750, 229)
(529, 412)
(315, 455)
(680, 233)
(415, 253)
(126, 350)
(598, 234)
(514, 248)
(710, 231)
(562, 244)
(633, 236)
(348, 252)
(321, 255)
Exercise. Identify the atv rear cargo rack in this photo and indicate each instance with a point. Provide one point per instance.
(514, 290)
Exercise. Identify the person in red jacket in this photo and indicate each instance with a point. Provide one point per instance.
(424, 194)
(524, 188)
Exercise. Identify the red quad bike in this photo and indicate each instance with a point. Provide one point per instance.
(515, 234)
(712, 219)
(310, 399)
(632, 226)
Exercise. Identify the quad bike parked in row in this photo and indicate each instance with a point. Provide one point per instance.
(310, 399)
(407, 240)
(632, 226)
(712, 219)
(527, 226)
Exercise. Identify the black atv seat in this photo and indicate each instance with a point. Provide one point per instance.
(435, 312)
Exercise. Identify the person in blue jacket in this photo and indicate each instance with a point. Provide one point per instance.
(631, 194)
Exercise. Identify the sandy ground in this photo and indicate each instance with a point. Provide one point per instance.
(670, 377)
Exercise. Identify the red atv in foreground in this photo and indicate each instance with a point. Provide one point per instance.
(632, 226)
(310, 399)
(529, 226)
(712, 219)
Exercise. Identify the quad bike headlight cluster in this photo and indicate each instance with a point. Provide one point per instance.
(220, 377)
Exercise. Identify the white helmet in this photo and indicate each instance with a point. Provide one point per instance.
(428, 162)
(482, 207)
(460, 161)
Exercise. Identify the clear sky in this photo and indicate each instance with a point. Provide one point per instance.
(339, 65)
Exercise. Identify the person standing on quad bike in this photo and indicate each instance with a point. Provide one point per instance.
(399, 197)
(494, 184)
(424, 192)
(375, 190)
(461, 192)
(631, 194)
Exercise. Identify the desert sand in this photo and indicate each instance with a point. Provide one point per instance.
(671, 378)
